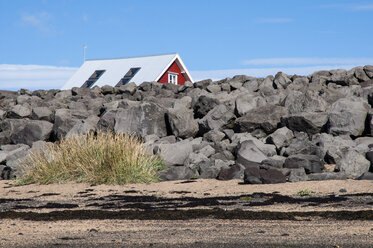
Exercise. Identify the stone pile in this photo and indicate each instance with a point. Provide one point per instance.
(260, 130)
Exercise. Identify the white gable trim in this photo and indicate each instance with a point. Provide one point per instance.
(182, 66)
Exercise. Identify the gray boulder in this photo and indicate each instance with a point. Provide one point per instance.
(353, 164)
(266, 118)
(297, 175)
(19, 111)
(41, 113)
(203, 105)
(129, 88)
(281, 137)
(182, 122)
(311, 163)
(65, 119)
(369, 70)
(255, 175)
(347, 116)
(310, 123)
(175, 154)
(327, 176)
(247, 102)
(34, 130)
(283, 80)
(147, 118)
(233, 172)
(176, 173)
(218, 118)
(248, 154)
(84, 127)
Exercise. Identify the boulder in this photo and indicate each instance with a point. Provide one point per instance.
(311, 163)
(233, 172)
(248, 154)
(247, 102)
(34, 130)
(268, 149)
(369, 70)
(182, 122)
(214, 136)
(207, 151)
(311, 123)
(41, 113)
(302, 145)
(353, 164)
(255, 175)
(65, 119)
(19, 111)
(281, 137)
(203, 105)
(175, 154)
(84, 127)
(266, 118)
(283, 80)
(347, 116)
(360, 74)
(327, 176)
(218, 118)
(297, 175)
(176, 173)
(213, 88)
(129, 88)
(144, 119)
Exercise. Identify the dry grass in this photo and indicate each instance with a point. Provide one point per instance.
(105, 158)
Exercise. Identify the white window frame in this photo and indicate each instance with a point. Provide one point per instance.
(172, 77)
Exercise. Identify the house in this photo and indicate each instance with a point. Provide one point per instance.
(165, 68)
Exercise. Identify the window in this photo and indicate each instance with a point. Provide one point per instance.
(172, 78)
(129, 75)
(93, 78)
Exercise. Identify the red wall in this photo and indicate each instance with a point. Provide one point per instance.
(175, 69)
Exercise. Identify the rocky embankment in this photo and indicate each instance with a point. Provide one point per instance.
(261, 130)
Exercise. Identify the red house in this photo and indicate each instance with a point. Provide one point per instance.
(166, 68)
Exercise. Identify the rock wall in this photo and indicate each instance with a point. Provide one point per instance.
(261, 130)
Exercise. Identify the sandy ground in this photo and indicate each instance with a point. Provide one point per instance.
(192, 233)
(197, 188)
(200, 232)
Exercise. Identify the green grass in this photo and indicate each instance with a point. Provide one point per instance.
(104, 158)
(304, 192)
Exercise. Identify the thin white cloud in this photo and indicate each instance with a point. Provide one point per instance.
(33, 77)
(40, 21)
(353, 7)
(363, 7)
(274, 20)
(306, 61)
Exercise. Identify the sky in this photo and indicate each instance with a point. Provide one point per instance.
(41, 41)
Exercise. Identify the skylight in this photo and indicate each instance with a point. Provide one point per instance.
(129, 75)
(93, 78)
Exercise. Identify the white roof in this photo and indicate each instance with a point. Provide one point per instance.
(152, 68)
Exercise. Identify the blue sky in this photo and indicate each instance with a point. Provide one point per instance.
(41, 42)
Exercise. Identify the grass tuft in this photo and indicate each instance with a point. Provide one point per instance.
(104, 158)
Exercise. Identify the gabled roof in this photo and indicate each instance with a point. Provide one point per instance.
(152, 68)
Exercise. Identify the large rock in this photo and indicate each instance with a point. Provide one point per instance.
(218, 118)
(203, 105)
(332, 147)
(41, 113)
(266, 118)
(353, 164)
(233, 172)
(65, 119)
(248, 154)
(84, 127)
(281, 137)
(311, 123)
(247, 102)
(19, 111)
(34, 130)
(182, 122)
(268, 149)
(255, 175)
(369, 70)
(147, 118)
(347, 116)
(175, 154)
(311, 163)
(176, 173)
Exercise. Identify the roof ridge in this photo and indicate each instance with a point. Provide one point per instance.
(132, 57)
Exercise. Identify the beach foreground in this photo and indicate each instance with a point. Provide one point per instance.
(192, 213)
